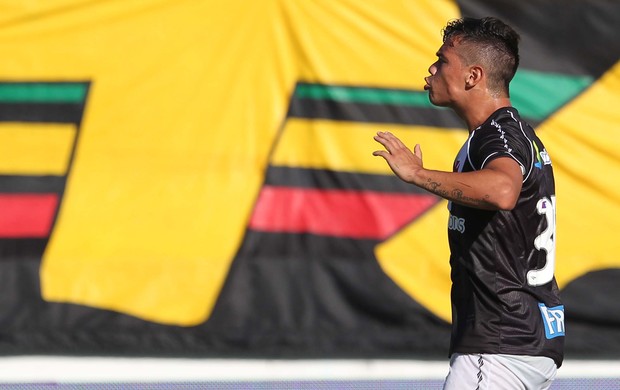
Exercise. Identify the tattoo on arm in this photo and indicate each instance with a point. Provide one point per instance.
(456, 194)
(434, 187)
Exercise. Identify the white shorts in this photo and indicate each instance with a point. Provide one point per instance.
(499, 372)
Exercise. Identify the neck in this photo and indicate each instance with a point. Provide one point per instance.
(477, 111)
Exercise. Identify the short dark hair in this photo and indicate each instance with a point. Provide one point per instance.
(494, 43)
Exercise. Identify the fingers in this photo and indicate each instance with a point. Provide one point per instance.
(394, 146)
(380, 138)
(381, 153)
(389, 141)
(384, 140)
(387, 137)
(418, 151)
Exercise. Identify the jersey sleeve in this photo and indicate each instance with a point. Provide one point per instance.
(494, 141)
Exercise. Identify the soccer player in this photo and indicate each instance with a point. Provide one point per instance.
(507, 318)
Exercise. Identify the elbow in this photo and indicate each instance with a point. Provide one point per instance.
(506, 198)
(506, 205)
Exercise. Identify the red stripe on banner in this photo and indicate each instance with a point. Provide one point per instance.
(355, 214)
(27, 215)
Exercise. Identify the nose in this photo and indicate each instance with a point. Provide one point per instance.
(433, 68)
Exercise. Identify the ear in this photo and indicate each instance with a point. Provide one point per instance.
(474, 76)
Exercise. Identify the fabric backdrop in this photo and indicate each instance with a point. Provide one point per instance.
(183, 177)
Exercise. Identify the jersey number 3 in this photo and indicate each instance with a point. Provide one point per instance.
(545, 241)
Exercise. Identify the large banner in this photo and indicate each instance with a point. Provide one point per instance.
(182, 177)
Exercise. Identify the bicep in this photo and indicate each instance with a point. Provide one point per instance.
(508, 178)
(507, 167)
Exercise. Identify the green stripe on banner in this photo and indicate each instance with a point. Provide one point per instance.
(537, 95)
(43, 92)
(363, 95)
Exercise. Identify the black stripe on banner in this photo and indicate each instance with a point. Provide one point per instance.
(326, 179)
(267, 246)
(41, 112)
(32, 184)
(19, 249)
(557, 35)
(326, 279)
(375, 113)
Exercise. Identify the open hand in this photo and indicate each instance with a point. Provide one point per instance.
(404, 163)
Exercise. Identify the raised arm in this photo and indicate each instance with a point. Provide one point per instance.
(495, 187)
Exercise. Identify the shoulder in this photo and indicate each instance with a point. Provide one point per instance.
(500, 121)
(505, 126)
(503, 134)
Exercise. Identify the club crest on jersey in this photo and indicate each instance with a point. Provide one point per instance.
(553, 319)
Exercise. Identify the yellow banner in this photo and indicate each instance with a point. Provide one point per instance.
(187, 107)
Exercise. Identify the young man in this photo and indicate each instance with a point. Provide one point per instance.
(507, 318)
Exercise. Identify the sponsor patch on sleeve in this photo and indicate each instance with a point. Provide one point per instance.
(553, 319)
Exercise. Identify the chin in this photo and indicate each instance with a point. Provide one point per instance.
(437, 102)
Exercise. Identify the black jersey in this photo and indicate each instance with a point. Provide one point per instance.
(504, 294)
